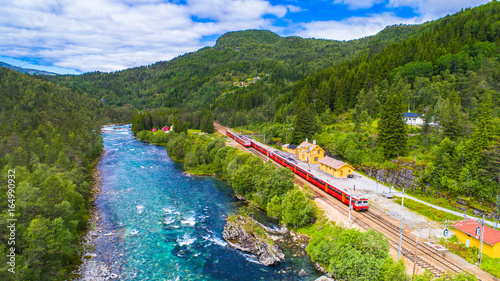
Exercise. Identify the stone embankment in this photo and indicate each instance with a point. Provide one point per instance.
(246, 234)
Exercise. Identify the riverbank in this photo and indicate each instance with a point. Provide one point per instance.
(90, 269)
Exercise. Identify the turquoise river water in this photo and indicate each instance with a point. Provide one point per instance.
(160, 224)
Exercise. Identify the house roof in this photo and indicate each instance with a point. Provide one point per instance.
(334, 163)
(305, 144)
(308, 147)
(468, 226)
(411, 115)
(291, 146)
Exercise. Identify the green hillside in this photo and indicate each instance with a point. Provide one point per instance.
(196, 79)
(49, 141)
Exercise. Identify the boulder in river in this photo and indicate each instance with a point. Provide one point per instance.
(302, 273)
(324, 278)
(246, 234)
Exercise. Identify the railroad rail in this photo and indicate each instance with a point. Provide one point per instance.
(426, 256)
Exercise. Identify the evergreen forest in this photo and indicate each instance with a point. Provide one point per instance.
(349, 96)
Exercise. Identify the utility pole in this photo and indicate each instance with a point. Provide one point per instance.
(350, 207)
(480, 255)
(415, 259)
(403, 198)
(400, 237)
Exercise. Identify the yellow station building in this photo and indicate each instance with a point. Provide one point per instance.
(335, 167)
(310, 152)
(465, 230)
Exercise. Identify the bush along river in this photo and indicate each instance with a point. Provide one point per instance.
(154, 222)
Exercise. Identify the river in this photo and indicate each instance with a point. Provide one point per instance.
(160, 224)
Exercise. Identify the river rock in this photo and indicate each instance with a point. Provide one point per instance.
(235, 234)
(324, 278)
(303, 273)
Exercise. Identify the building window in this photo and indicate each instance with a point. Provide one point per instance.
(341, 173)
(315, 159)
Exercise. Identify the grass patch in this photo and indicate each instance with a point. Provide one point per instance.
(427, 211)
(320, 228)
(438, 201)
(201, 170)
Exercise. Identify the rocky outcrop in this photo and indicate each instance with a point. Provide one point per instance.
(248, 235)
(404, 174)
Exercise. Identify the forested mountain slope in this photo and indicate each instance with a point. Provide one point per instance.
(49, 140)
(197, 79)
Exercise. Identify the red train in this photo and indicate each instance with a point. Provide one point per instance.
(358, 203)
(243, 140)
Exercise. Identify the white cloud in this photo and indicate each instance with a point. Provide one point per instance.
(357, 27)
(358, 4)
(110, 35)
(293, 9)
(351, 28)
(434, 9)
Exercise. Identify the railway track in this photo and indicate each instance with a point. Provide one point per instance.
(427, 257)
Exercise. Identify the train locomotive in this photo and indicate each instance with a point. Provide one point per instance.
(243, 140)
(357, 203)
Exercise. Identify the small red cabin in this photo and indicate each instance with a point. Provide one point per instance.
(165, 129)
(153, 130)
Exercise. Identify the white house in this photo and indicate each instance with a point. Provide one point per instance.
(413, 119)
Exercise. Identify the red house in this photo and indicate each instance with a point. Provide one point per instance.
(153, 130)
(165, 129)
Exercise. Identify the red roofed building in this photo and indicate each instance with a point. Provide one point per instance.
(165, 129)
(153, 130)
(465, 230)
(335, 167)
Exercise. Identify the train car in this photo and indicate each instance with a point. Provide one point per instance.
(358, 203)
(243, 140)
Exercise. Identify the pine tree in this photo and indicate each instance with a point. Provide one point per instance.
(305, 125)
(207, 122)
(452, 117)
(392, 129)
(426, 127)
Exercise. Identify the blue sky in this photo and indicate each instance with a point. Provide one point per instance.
(75, 36)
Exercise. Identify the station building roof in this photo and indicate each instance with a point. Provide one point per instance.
(334, 163)
(468, 226)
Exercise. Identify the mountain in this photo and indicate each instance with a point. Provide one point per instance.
(196, 79)
(26, 70)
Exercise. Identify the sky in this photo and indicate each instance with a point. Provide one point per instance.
(77, 36)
